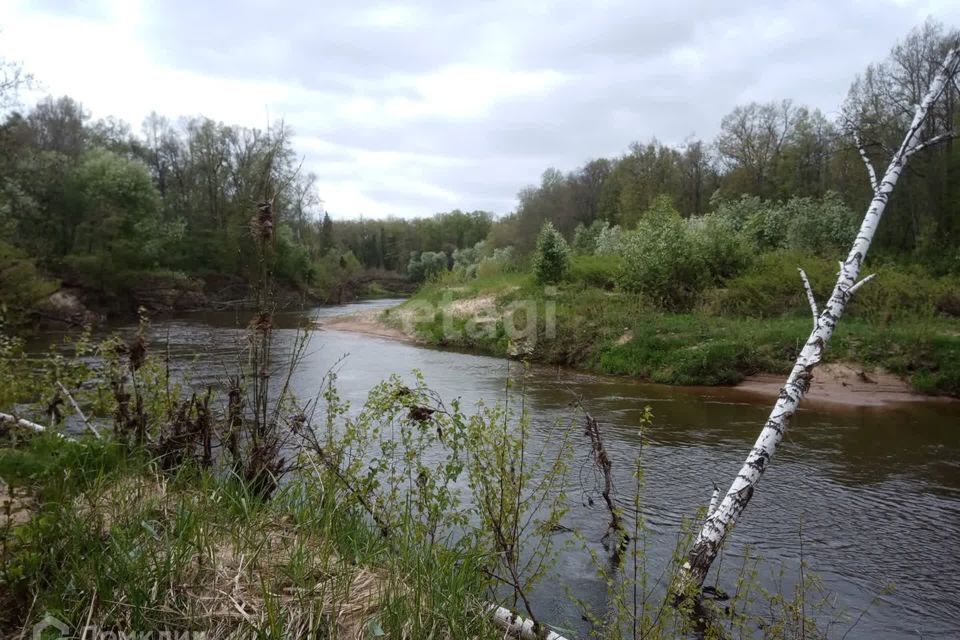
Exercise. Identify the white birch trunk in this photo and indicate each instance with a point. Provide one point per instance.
(518, 627)
(718, 524)
(22, 422)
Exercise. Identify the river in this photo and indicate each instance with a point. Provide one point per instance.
(876, 491)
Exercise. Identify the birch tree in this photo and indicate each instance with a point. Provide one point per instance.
(720, 519)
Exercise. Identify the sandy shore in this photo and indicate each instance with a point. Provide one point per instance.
(841, 384)
(366, 323)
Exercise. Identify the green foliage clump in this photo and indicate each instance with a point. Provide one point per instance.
(609, 241)
(552, 257)
(22, 288)
(585, 237)
(818, 226)
(595, 270)
(724, 251)
(426, 266)
(772, 287)
(119, 205)
(661, 259)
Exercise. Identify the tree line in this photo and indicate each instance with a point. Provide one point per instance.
(100, 207)
(774, 152)
(95, 204)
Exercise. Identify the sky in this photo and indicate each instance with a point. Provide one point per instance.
(410, 108)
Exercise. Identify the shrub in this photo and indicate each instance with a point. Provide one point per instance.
(609, 241)
(766, 226)
(661, 261)
(725, 252)
(469, 256)
(21, 287)
(772, 286)
(585, 238)
(737, 212)
(552, 257)
(426, 266)
(824, 228)
(595, 271)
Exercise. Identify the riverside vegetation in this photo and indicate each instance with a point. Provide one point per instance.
(238, 509)
(679, 265)
(705, 300)
(402, 518)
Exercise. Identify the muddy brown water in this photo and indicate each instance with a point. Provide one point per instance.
(876, 491)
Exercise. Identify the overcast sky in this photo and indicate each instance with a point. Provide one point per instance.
(413, 108)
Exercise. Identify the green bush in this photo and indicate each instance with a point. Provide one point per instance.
(661, 259)
(552, 258)
(724, 250)
(595, 271)
(21, 286)
(585, 238)
(772, 287)
(426, 266)
(905, 291)
(609, 241)
(824, 227)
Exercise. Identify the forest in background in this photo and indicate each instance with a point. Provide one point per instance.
(89, 204)
(680, 265)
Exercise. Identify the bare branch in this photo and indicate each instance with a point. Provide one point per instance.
(76, 408)
(866, 160)
(854, 288)
(810, 297)
(943, 137)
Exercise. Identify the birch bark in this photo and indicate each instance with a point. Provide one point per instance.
(717, 526)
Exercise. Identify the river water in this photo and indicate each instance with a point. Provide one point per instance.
(876, 492)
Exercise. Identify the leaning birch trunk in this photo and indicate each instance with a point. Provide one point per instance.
(516, 626)
(718, 524)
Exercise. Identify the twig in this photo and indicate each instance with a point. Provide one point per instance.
(854, 288)
(943, 137)
(76, 407)
(810, 297)
(866, 160)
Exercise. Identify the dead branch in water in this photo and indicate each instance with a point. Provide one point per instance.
(602, 460)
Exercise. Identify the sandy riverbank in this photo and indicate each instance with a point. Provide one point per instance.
(367, 323)
(842, 384)
(837, 384)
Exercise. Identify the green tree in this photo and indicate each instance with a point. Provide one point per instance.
(661, 258)
(552, 259)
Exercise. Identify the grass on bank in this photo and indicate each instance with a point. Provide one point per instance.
(115, 543)
(901, 322)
